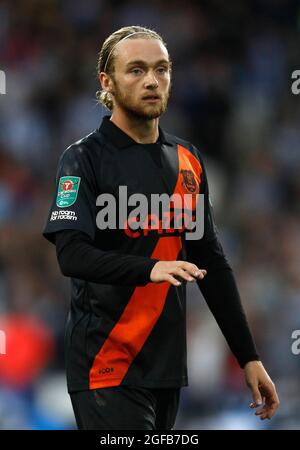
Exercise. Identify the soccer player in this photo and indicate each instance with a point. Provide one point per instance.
(126, 332)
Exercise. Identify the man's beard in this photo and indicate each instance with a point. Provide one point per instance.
(140, 110)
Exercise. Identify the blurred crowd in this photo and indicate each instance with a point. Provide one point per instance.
(231, 97)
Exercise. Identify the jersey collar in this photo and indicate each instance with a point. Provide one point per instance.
(120, 139)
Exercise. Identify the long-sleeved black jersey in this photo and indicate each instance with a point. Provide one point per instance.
(122, 328)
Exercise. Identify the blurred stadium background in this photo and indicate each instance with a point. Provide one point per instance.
(232, 98)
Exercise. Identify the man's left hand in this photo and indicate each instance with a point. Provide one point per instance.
(263, 389)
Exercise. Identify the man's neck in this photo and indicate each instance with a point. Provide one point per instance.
(140, 130)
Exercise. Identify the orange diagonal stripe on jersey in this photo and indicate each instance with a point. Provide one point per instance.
(187, 161)
(135, 324)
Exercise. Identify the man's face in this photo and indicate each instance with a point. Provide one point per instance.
(141, 80)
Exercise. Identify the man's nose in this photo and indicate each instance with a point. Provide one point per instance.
(150, 80)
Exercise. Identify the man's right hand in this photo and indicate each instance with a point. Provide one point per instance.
(173, 271)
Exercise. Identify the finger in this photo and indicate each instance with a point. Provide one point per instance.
(261, 412)
(256, 395)
(201, 274)
(272, 402)
(192, 269)
(255, 405)
(183, 274)
(267, 412)
(263, 417)
(189, 267)
(198, 273)
(271, 409)
(172, 280)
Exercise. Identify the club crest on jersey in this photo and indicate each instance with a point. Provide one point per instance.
(189, 181)
(67, 191)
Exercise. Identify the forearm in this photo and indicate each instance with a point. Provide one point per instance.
(79, 258)
(221, 294)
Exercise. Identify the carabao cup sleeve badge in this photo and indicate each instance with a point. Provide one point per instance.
(68, 188)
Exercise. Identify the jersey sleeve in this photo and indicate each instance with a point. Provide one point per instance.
(210, 228)
(74, 202)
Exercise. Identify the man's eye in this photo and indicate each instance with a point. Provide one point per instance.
(136, 71)
(162, 69)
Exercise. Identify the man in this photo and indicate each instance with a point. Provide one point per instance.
(126, 332)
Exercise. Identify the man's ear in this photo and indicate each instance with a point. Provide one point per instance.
(106, 82)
